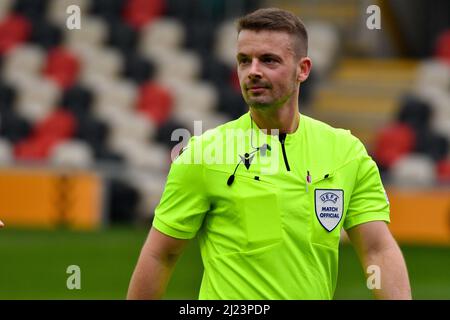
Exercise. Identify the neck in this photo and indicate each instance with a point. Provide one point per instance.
(285, 119)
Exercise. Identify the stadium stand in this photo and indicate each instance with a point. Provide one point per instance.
(110, 94)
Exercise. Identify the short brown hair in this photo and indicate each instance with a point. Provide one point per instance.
(274, 19)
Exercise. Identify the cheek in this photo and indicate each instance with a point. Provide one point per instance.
(281, 80)
(240, 77)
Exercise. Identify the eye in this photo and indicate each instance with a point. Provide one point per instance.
(243, 61)
(269, 60)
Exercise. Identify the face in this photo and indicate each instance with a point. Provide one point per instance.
(268, 69)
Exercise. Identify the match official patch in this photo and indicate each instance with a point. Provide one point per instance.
(329, 206)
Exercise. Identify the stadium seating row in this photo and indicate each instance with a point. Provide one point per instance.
(113, 91)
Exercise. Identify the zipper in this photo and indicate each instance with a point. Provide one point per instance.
(282, 139)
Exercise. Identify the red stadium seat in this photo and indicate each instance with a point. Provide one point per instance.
(35, 148)
(155, 102)
(443, 171)
(14, 29)
(138, 13)
(61, 124)
(56, 128)
(443, 47)
(62, 67)
(28, 150)
(392, 143)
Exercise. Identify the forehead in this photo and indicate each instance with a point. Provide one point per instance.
(263, 42)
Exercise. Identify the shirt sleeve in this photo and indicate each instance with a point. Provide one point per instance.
(369, 200)
(184, 202)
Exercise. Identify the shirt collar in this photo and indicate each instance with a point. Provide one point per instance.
(290, 137)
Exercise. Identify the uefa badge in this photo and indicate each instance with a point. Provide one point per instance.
(329, 205)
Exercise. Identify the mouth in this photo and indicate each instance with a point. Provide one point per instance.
(256, 89)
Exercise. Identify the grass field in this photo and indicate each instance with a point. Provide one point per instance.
(33, 265)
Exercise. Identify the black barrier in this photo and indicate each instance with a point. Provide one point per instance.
(236, 309)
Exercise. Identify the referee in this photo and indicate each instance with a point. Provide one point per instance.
(268, 207)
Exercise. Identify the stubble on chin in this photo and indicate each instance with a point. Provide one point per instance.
(254, 103)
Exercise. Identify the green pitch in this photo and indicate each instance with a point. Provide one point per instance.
(33, 265)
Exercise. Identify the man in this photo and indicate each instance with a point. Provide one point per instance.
(1, 224)
(272, 234)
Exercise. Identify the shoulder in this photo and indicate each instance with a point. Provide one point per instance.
(315, 126)
(330, 140)
(225, 128)
(196, 146)
(211, 135)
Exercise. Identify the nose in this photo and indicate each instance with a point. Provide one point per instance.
(255, 71)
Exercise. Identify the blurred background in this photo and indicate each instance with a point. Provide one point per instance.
(86, 118)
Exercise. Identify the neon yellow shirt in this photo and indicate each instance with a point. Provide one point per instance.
(274, 232)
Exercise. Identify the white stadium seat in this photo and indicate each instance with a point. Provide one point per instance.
(72, 154)
(185, 65)
(5, 7)
(37, 98)
(441, 105)
(26, 58)
(208, 120)
(433, 73)
(200, 96)
(121, 93)
(167, 33)
(140, 154)
(414, 170)
(93, 33)
(103, 61)
(57, 11)
(150, 186)
(225, 44)
(323, 42)
(151, 156)
(442, 126)
(129, 124)
(96, 82)
(439, 101)
(6, 156)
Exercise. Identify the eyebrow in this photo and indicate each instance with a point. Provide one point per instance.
(241, 55)
(271, 55)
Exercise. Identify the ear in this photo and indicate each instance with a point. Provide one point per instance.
(303, 69)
